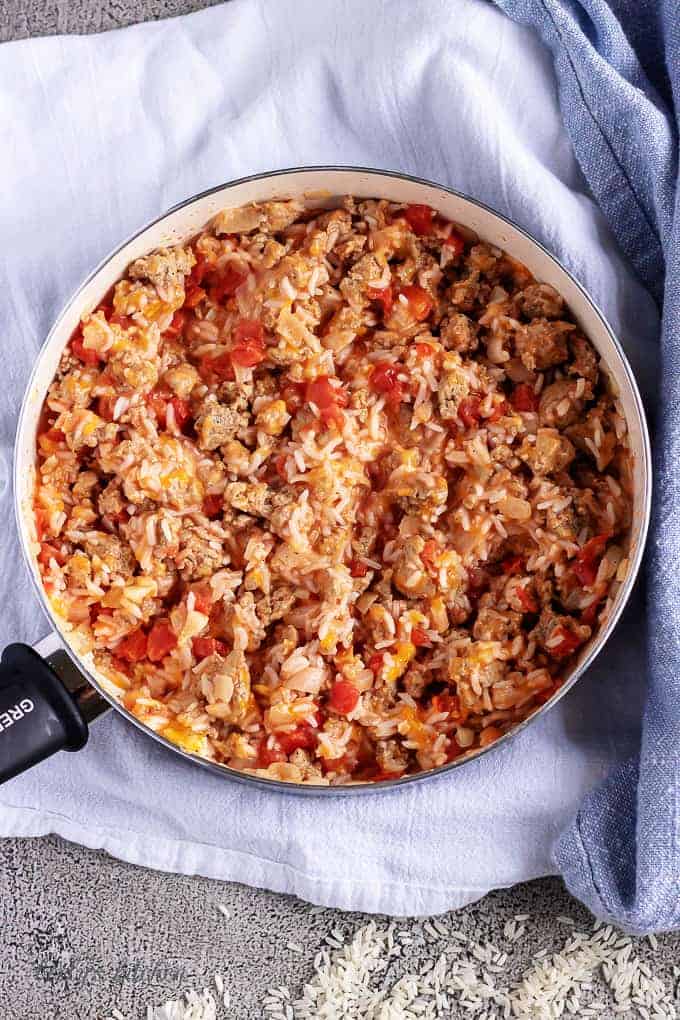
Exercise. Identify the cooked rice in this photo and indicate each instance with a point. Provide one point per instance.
(332, 496)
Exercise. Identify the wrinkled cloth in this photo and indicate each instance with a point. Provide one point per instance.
(103, 133)
(618, 69)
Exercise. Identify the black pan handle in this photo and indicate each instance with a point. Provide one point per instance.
(38, 716)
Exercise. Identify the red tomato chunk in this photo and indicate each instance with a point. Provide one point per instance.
(344, 697)
(420, 219)
(385, 379)
(420, 304)
(162, 639)
(384, 296)
(133, 647)
(587, 561)
(523, 398)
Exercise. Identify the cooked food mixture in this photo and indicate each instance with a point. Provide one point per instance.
(332, 495)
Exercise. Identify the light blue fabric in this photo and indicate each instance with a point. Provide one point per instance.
(618, 68)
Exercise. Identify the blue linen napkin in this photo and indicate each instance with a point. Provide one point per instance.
(618, 69)
(105, 132)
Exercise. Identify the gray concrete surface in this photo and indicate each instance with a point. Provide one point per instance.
(81, 933)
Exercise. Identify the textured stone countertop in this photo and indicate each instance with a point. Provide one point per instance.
(81, 933)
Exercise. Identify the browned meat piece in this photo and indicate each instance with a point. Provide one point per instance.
(492, 625)
(85, 484)
(276, 605)
(164, 268)
(550, 452)
(365, 272)
(414, 681)
(349, 247)
(559, 634)
(595, 437)
(199, 554)
(466, 292)
(559, 406)
(585, 363)
(391, 756)
(483, 260)
(541, 301)
(453, 387)
(543, 343)
(235, 397)
(218, 424)
(111, 501)
(268, 216)
(114, 554)
(563, 522)
(459, 333)
(251, 497)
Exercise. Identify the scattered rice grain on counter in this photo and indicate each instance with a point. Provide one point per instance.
(592, 971)
(333, 495)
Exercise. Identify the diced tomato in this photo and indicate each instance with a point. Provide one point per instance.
(420, 304)
(453, 750)
(97, 610)
(303, 737)
(157, 402)
(343, 697)
(498, 411)
(193, 295)
(269, 755)
(124, 321)
(86, 355)
(106, 407)
(456, 243)
(133, 647)
(358, 569)
(181, 410)
(293, 394)
(385, 379)
(199, 271)
(248, 349)
(162, 639)
(328, 398)
(40, 523)
(50, 552)
(587, 561)
(220, 367)
(513, 565)
(589, 614)
(203, 599)
(449, 703)
(468, 411)
(529, 603)
(384, 296)
(177, 324)
(55, 435)
(375, 663)
(523, 398)
(336, 764)
(424, 350)
(568, 644)
(420, 638)
(224, 285)
(202, 647)
(280, 466)
(420, 219)
(430, 554)
(212, 506)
